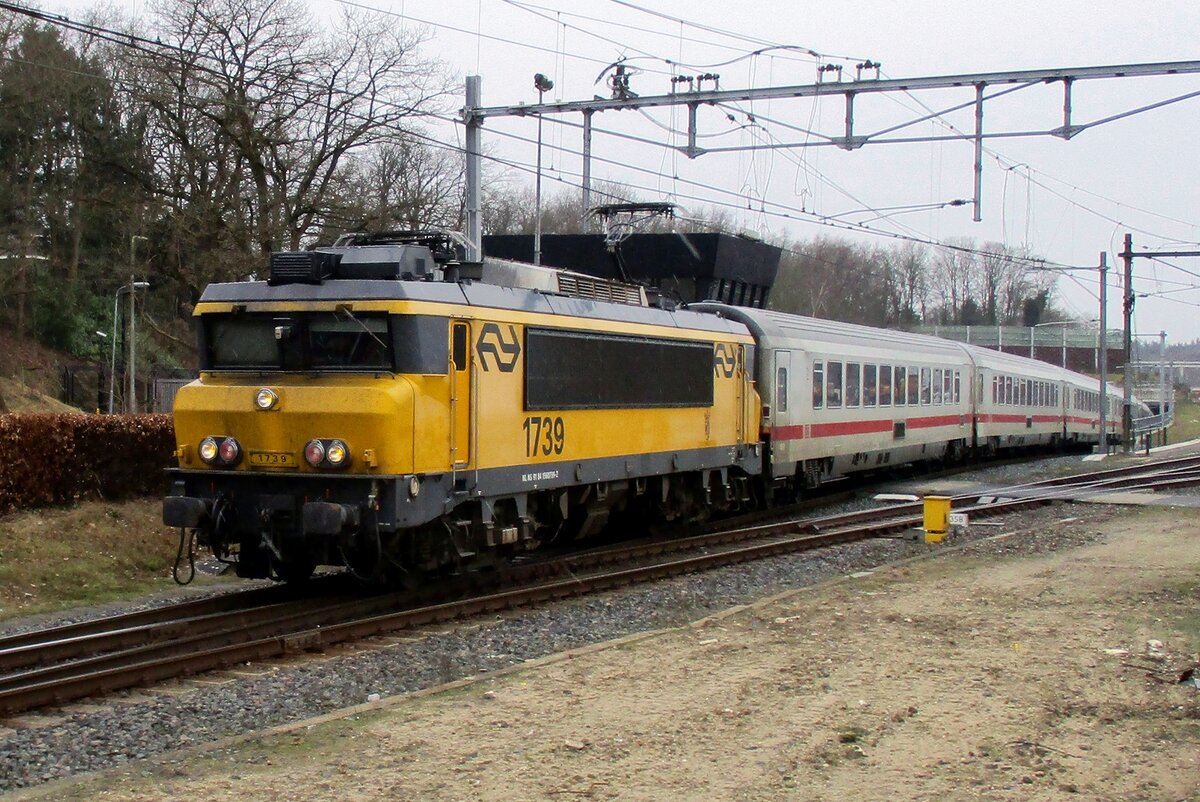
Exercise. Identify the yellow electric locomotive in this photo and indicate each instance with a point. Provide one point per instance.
(381, 405)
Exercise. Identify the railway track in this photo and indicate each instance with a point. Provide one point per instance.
(62, 664)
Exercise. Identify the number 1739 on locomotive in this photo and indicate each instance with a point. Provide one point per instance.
(544, 435)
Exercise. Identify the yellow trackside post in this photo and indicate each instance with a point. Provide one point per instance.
(937, 518)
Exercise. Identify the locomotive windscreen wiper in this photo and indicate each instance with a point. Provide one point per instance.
(345, 311)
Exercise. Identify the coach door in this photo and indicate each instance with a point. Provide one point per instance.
(783, 369)
(460, 394)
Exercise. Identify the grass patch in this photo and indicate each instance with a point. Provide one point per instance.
(1187, 421)
(89, 553)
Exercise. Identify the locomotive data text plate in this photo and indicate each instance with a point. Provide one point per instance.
(273, 459)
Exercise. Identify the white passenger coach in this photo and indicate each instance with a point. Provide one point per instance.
(840, 398)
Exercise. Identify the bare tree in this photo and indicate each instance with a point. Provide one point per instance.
(257, 111)
(906, 275)
(405, 183)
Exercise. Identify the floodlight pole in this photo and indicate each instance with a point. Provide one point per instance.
(1102, 357)
(133, 287)
(543, 85)
(112, 372)
(1127, 411)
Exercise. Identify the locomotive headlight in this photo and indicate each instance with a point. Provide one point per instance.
(337, 454)
(266, 399)
(229, 451)
(208, 450)
(314, 452)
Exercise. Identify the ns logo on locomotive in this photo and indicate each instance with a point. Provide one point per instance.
(384, 406)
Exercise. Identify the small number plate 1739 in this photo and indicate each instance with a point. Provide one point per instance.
(272, 459)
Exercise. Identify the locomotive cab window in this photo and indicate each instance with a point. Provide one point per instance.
(347, 341)
(312, 341)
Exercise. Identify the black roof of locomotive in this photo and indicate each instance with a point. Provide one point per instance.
(474, 294)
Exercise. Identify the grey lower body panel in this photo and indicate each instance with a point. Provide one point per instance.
(390, 503)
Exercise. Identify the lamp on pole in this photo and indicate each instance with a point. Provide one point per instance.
(133, 285)
(543, 85)
(112, 373)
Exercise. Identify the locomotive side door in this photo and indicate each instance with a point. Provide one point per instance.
(460, 394)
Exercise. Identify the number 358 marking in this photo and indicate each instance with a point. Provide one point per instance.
(544, 436)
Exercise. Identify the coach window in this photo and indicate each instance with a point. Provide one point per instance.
(870, 385)
(995, 389)
(781, 394)
(1024, 392)
(885, 385)
(853, 383)
(899, 385)
(937, 385)
(957, 385)
(818, 383)
(833, 385)
(926, 386)
(948, 386)
(914, 385)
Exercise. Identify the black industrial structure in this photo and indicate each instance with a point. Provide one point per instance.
(682, 267)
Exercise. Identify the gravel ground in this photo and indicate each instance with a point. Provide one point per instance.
(111, 734)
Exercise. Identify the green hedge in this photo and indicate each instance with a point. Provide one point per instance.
(55, 459)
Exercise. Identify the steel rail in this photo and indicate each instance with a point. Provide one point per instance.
(327, 626)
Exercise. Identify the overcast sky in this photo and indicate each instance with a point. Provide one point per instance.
(1066, 200)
